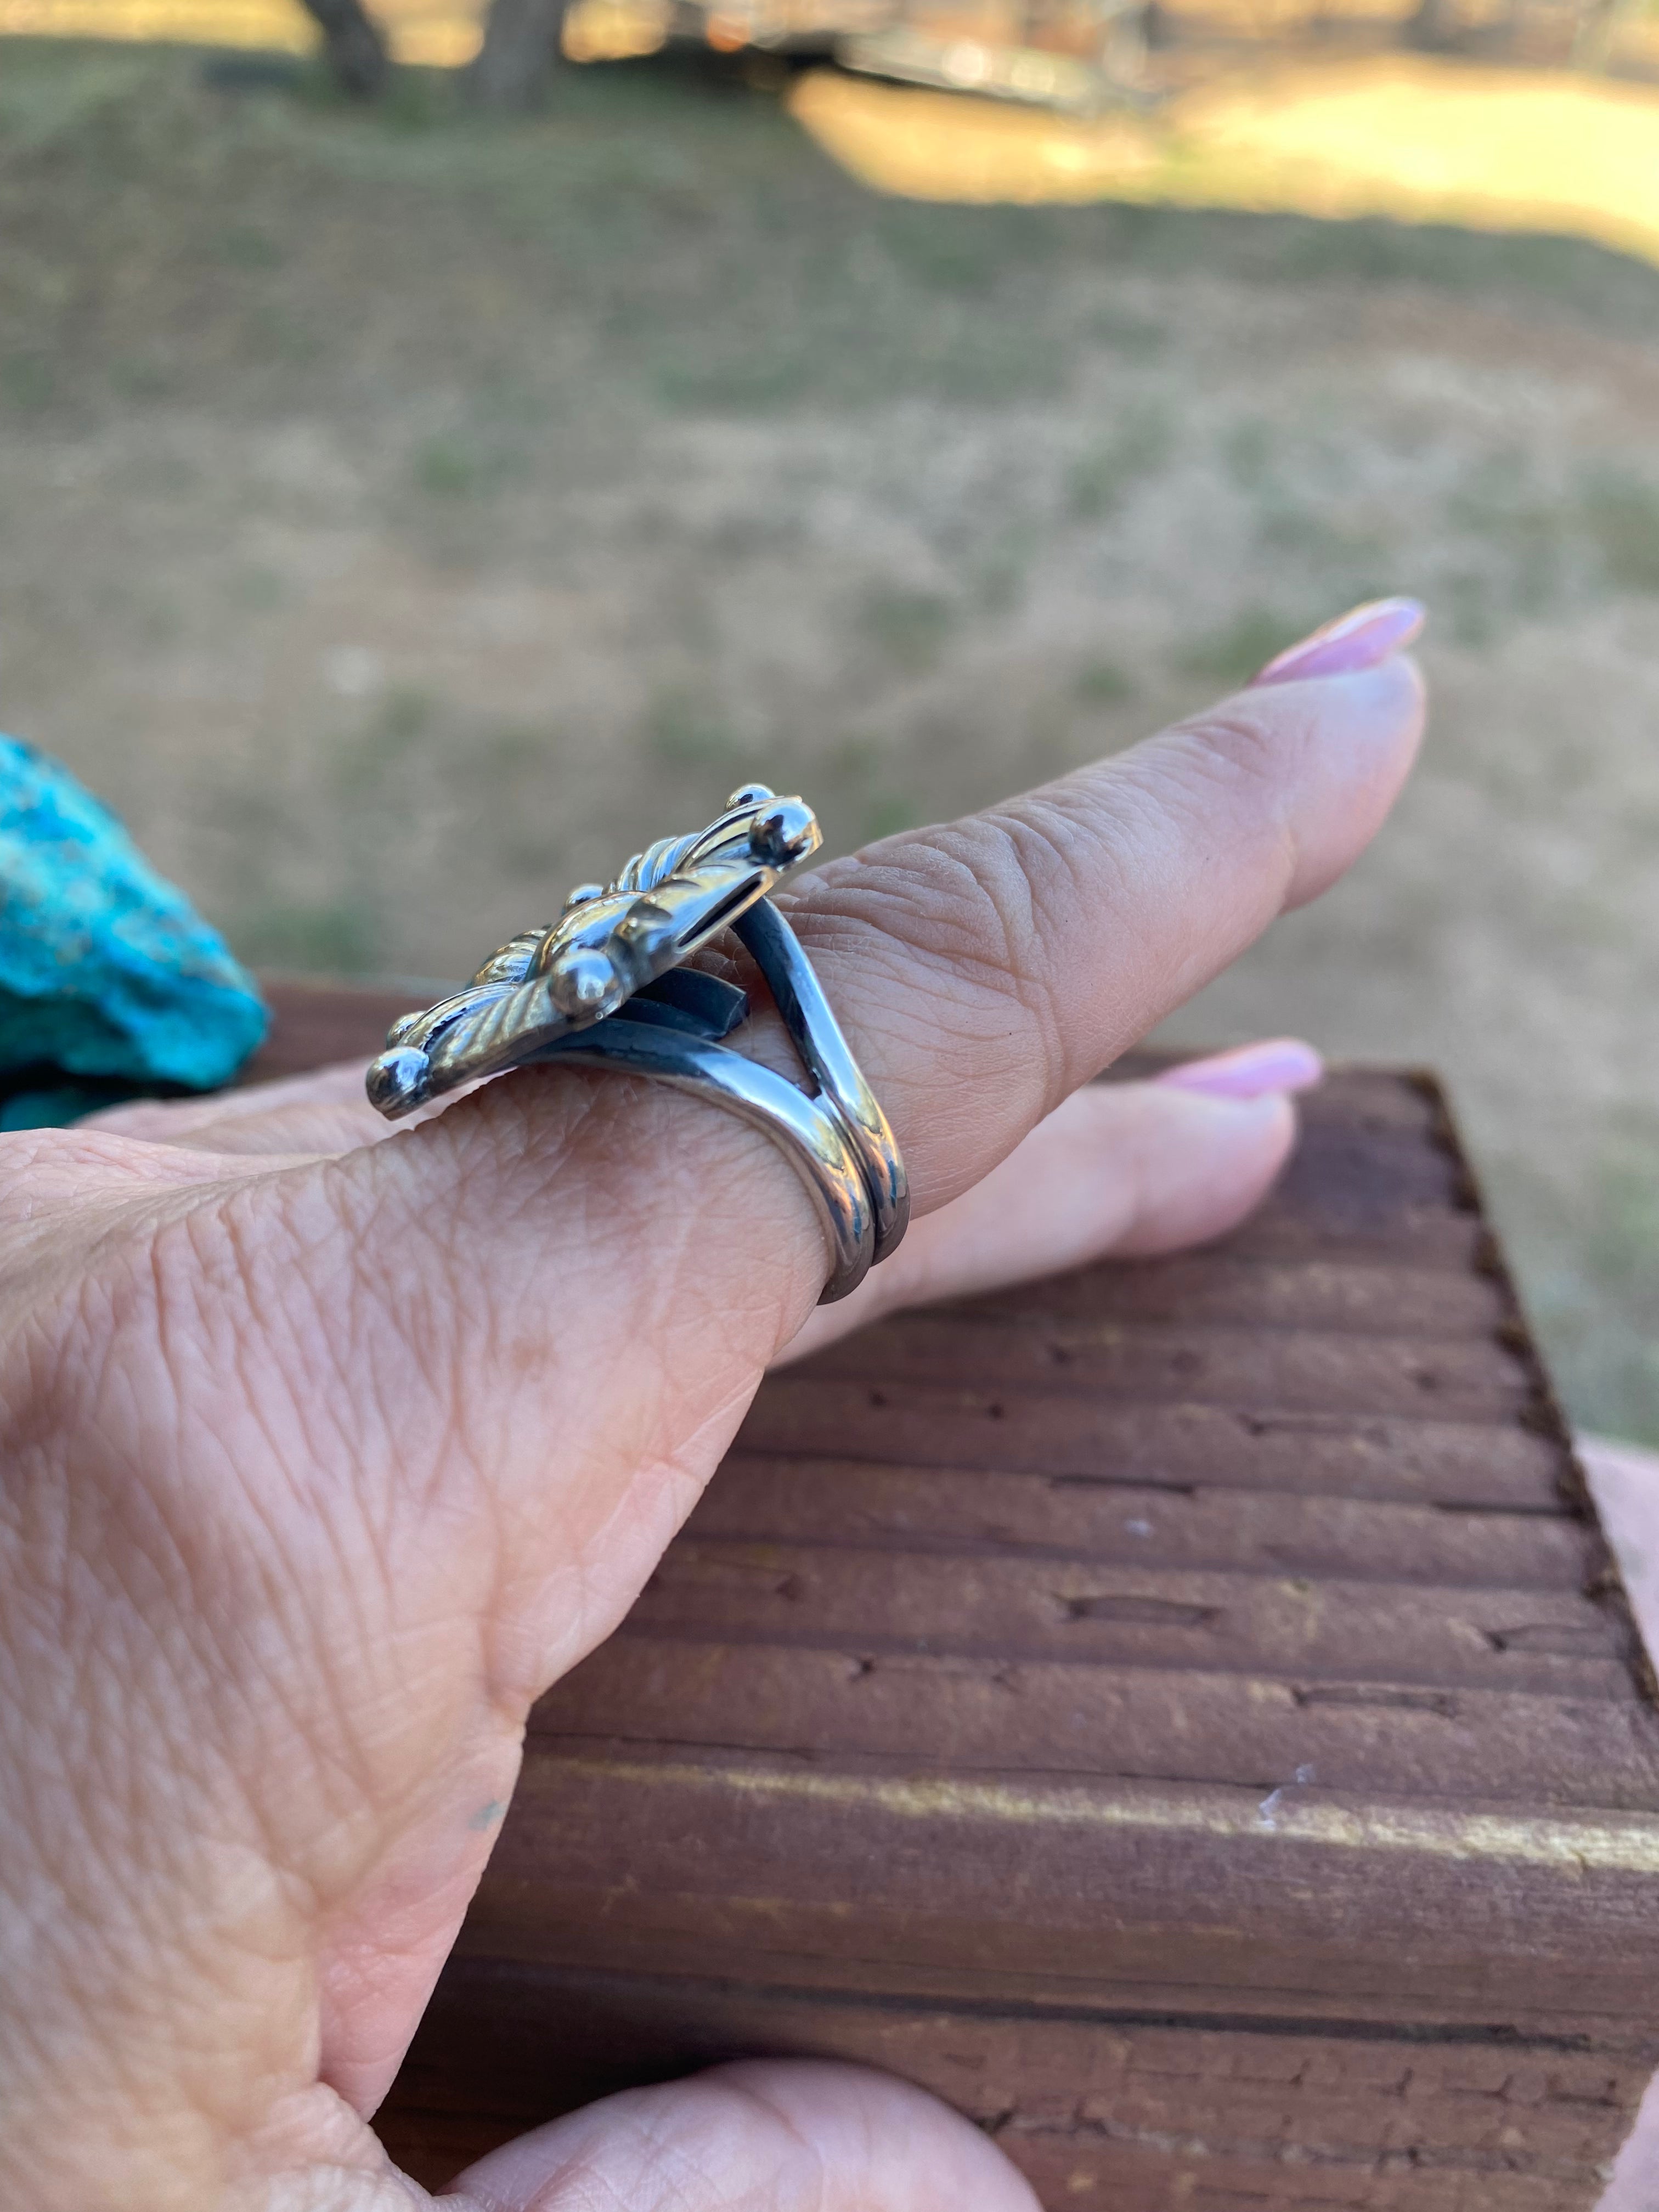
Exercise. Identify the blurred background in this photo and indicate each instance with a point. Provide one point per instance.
(422, 481)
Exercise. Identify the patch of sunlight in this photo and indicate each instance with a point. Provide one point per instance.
(615, 30)
(432, 34)
(424, 33)
(268, 23)
(1402, 136)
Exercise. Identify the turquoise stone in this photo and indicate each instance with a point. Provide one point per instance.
(107, 973)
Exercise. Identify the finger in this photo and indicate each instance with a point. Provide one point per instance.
(986, 968)
(989, 967)
(325, 1110)
(233, 1120)
(766, 2136)
(1117, 1169)
(561, 1224)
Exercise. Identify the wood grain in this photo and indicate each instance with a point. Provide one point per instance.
(1099, 2112)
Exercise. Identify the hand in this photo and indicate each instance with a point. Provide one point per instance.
(327, 1451)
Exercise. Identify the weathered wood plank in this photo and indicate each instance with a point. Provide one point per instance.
(312, 1026)
(1205, 1290)
(1468, 1466)
(1108, 2113)
(992, 1715)
(869, 1598)
(759, 1499)
(820, 1866)
(1409, 1375)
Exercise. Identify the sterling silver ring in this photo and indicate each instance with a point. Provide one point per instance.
(607, 987)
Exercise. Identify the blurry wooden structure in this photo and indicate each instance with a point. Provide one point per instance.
(1185, 1714)
(1085, 55)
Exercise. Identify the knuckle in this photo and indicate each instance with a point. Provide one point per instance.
(1237, 741)
(975, 905)
(986, 915)
(1029, 882)
(1228, 762)
(1244, 753)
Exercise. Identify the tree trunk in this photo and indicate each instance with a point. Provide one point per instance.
(1433, 29)
(357, 52)
(521, 50)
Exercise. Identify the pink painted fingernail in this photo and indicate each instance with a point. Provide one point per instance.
(1363, 638)
(1251, 1071)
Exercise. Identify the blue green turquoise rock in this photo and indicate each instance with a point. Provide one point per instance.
(108, 974)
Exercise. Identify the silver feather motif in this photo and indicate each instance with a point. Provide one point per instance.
(610, 941)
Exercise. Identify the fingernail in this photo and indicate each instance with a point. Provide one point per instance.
(1363, 638)
(1251, 1071)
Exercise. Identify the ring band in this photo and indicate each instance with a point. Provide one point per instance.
(810, 1134)
(816, 1033)
(607, 987)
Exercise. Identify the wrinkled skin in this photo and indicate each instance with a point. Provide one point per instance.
(327, 1451)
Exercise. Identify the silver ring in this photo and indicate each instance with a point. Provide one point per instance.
(791, 978)
(607, 987)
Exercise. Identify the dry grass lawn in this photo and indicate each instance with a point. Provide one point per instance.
(400, 519)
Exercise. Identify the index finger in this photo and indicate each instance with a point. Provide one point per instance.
(564, 1287)
(985, 968)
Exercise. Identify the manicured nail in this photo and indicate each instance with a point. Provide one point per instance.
(1251, 1071)
(1363, 638)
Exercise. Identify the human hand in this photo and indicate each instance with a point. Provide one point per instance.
(327, 1451)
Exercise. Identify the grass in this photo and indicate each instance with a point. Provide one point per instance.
(340, 939)
(909, 629)
(685, 730)
(1622, 516)
(402, 517)
(1103, 683)
(1139, 447)
(1601, 1309)
(1231, 655)
(712, 256)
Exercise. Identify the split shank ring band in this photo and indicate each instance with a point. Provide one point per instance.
(607, 987)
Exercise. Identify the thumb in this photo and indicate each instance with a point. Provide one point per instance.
(766, 2136)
